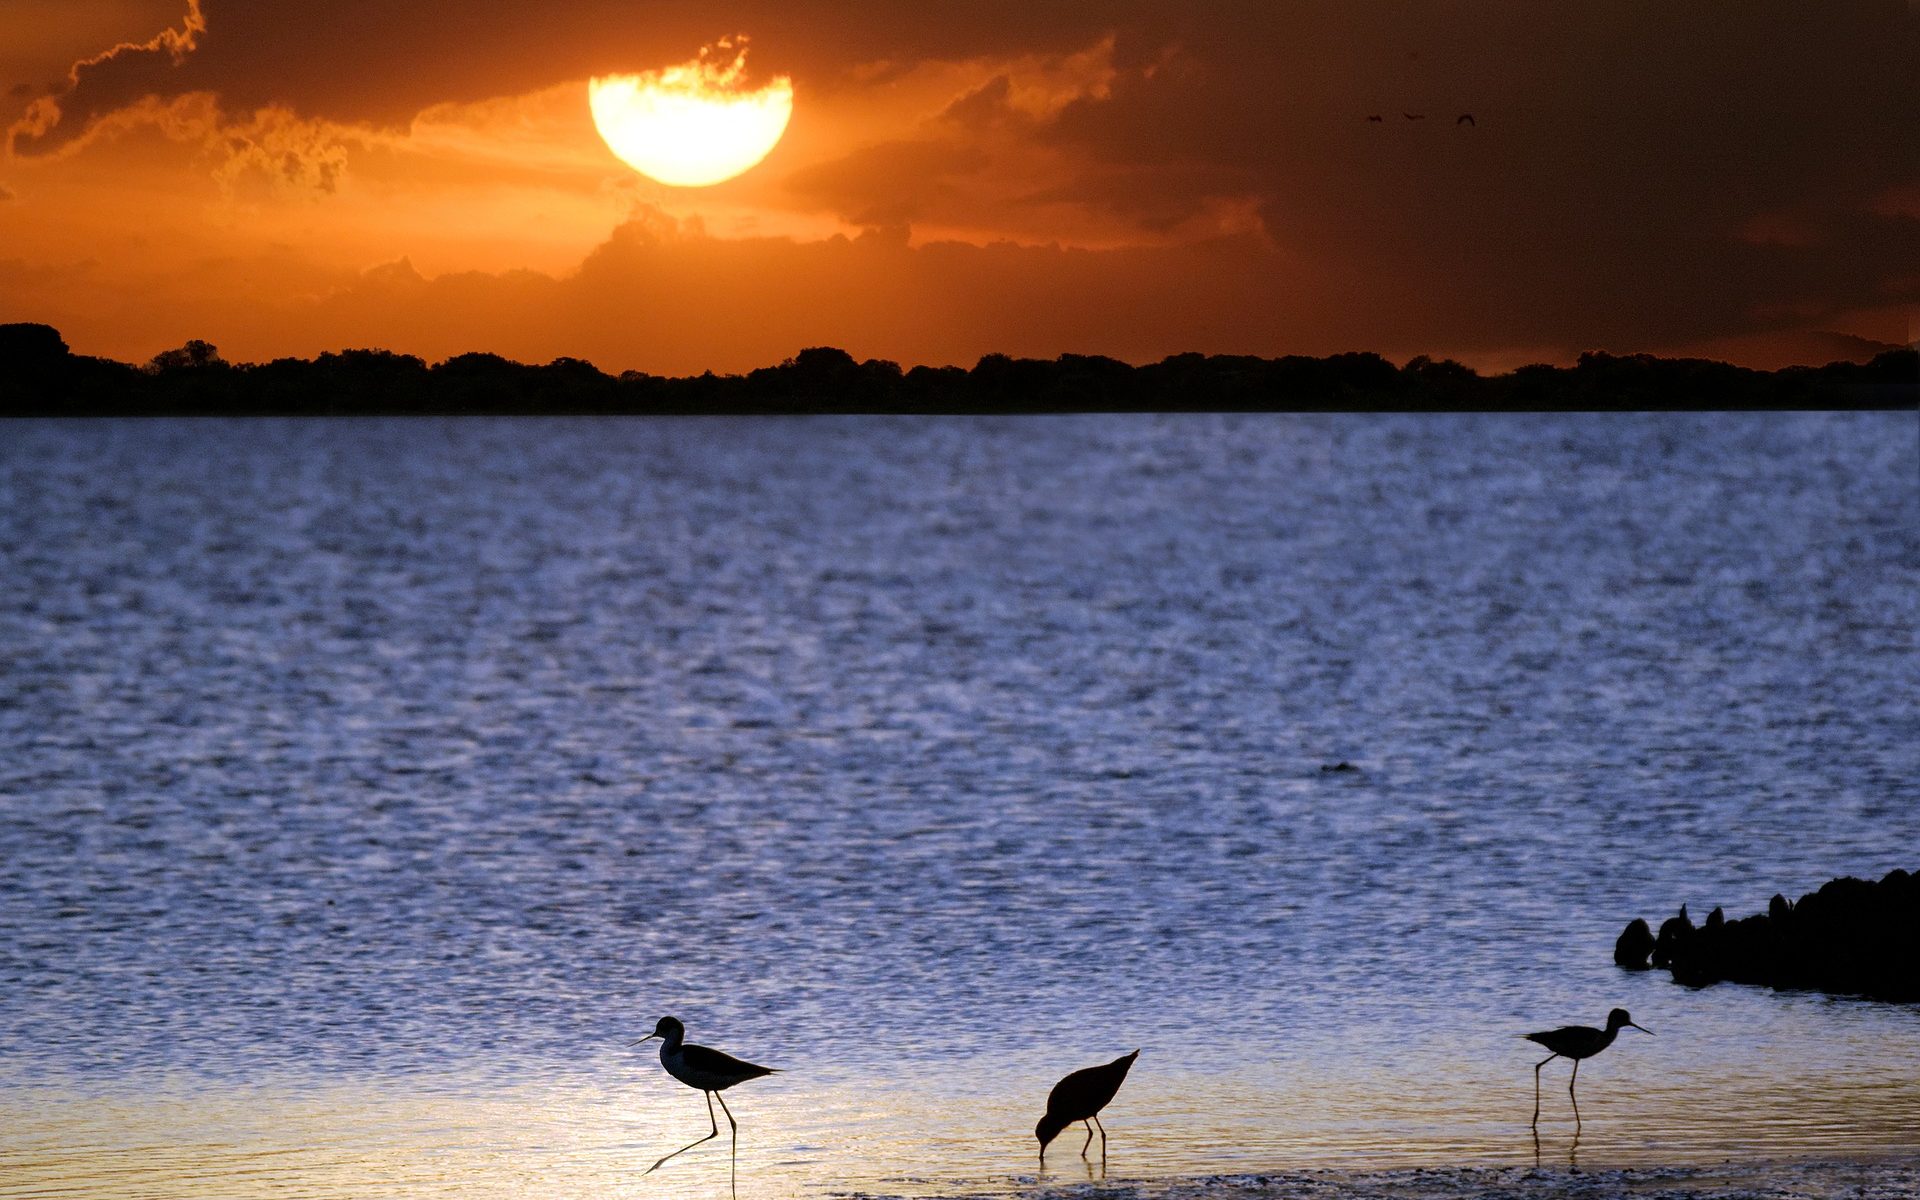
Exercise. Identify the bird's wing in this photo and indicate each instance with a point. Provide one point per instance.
(1088, 1090)
(1573, 1040)
(709, 1061)
(1072, 1084)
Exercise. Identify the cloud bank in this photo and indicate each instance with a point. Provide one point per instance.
(1131, 178)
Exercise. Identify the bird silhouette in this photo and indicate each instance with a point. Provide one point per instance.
(700, 1067)
(1576, 1042)
(1080, 1097)
(1374, 117)
(1466, 119)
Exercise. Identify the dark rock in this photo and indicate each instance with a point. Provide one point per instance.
(1852, 937)
(1673, 932)
(1635, 943)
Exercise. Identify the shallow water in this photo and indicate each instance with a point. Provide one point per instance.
(367, 785)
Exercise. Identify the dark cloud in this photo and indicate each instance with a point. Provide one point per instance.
(889, 183)
(1158, 199)
(1770, 352)
(1640, 171)
(988, 105)
(379, 62)
(665, 297)
(116, 77)
(668, 297)
(1619, 151)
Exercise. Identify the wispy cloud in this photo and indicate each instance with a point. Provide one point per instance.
(99, 84)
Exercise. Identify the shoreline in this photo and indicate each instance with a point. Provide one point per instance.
(1863, 1177)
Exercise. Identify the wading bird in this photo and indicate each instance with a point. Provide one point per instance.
(1080, 1097)
(1576, 1042)
(699, 1067)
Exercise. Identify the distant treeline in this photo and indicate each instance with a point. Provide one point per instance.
(39, 376)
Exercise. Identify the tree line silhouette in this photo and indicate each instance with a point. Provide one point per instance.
(40, 376)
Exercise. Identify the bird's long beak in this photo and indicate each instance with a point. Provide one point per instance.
(651, 1036)
(1642, 1029)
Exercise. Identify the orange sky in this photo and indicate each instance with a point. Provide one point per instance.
(1127, 178)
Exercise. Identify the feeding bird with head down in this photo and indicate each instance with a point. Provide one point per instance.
(1080, 1097)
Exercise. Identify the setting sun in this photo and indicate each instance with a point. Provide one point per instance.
(693, 124)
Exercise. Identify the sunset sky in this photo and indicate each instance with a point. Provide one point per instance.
(1133, 178)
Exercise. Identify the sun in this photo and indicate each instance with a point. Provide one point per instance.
(693, 124)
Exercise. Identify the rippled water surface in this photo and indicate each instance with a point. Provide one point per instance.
(365, 786)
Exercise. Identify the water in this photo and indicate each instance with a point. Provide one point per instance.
(367, 785)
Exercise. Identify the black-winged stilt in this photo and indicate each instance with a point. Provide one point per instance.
(701, 1067)
(1577, 1042)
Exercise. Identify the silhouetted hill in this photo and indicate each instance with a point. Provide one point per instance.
(40, 376)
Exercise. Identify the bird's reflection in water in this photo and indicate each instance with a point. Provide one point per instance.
(1573, 1150)
(1049, 1177)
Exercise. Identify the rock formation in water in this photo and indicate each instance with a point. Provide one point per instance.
(1636, 942)
(1852, 937)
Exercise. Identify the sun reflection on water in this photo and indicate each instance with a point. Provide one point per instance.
(414, 1139)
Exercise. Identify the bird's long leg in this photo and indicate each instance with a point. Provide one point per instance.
(690, 1145)
(1089, 1141)
(735, 1126)
(1103, 1138)
(1536, 1087)
(732, 1124)
(1572, 1097)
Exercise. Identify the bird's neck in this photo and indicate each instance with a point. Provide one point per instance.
(670, 1043)
(1606, 1039)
